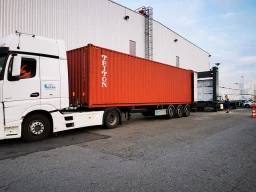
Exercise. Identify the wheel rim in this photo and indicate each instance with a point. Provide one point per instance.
(36, 128)
(179, 111)
(112, 119)
(186, 110)
(170, 111)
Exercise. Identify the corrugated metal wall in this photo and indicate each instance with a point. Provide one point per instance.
(166, 50)
(100, 22)
(77, 22)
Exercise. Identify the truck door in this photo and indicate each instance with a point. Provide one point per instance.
(20, 95)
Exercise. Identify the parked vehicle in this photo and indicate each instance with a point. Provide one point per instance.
(47, 90)
(248, 104)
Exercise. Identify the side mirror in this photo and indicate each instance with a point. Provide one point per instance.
(16, 66)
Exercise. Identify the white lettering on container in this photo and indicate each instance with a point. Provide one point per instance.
(104, 72)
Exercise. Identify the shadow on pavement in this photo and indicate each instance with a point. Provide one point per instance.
(17, 147)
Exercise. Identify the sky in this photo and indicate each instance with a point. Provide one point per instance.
(226, 29)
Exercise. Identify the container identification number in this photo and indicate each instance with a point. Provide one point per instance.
(104, 72)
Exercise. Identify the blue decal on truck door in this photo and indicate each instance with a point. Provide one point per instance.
(49, 86)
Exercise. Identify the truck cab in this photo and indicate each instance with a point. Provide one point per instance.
(33, 81)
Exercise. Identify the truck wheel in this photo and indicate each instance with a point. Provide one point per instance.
(186, 111)
(36, 127)
(170, 111)
(111, 119)
(179, 111)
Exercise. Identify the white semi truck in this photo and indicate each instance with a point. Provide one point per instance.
(34, 88)
(30, 105)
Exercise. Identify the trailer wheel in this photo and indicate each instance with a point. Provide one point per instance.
(186, 111)
(170, 111)
(179, 111)
(111, 119)
(36, 127)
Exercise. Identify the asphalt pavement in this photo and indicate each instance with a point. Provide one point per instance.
(207, 151)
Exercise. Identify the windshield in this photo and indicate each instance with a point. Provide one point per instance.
(2, 60)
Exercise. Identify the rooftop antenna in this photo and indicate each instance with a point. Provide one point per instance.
(19, 41)
(19, 33)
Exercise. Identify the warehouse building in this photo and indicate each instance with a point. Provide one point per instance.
(103, 23)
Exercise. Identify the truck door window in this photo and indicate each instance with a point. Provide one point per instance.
(27, 70)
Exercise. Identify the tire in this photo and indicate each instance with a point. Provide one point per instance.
(170, 112)
(179, 111)
(247, 106)
(36, 127)
(186, 111)
(111, 119)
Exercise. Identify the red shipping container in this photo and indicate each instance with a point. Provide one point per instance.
(101, 77)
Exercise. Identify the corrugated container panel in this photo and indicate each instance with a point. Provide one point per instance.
(78, 74)
(124, 80)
